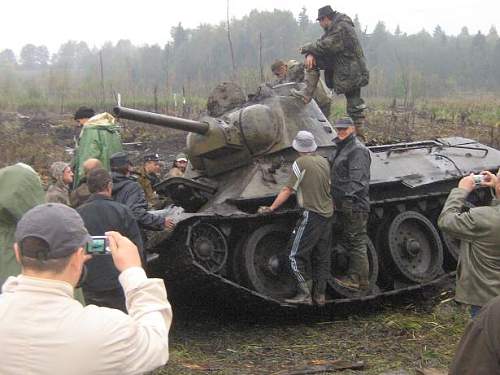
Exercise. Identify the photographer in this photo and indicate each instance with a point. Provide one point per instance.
(43, 330)
(478, 270)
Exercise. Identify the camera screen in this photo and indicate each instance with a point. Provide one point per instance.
(99, 245)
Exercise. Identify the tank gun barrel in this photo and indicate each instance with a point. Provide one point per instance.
(161, 120)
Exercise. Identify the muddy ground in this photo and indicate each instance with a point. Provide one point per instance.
(391, 335)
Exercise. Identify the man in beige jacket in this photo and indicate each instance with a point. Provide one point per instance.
(43, 330)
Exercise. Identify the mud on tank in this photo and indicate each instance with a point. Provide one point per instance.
(223, 252)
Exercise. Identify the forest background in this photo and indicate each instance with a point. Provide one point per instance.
(184, 70)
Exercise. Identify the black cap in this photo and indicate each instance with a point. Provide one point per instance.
(152, 157)
(119, 159)
(84, 112)
(325, 11)
(60, 226)
(344, 122)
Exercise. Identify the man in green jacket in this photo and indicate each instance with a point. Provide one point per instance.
(478, 270)
(20, 190)
(99, 139)
(338, 52)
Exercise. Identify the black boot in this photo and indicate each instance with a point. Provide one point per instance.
(303, 295)
(311, 78)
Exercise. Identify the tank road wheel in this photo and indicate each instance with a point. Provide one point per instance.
(265, 266)
(208, 245)
(340, 263)
(452, 246)
(414, 247)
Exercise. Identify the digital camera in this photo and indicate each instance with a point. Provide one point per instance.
(99, 246)
(478, 179)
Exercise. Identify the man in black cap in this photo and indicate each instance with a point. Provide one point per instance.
(338, 52)
(44, 330)
(102, 214)
(350, 170)
(149, 177)
(83, 114)
(99, 138)
(127, 191)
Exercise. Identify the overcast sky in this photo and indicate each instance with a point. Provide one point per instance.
(53, 22)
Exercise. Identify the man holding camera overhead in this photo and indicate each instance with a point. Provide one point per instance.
(478, 270)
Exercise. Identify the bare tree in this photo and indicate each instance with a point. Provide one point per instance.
(230, 43)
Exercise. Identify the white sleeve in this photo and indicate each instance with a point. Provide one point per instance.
(141, 339)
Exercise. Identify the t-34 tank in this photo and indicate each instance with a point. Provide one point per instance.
(224, 252)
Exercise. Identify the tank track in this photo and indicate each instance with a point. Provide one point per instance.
(190, 281)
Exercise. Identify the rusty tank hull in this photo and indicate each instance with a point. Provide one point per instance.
(223, 252)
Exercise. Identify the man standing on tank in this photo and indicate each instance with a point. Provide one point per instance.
(338, 52)
(310, 241)
(350, 170)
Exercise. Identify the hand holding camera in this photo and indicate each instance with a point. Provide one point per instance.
(474, 181)
(124, 252)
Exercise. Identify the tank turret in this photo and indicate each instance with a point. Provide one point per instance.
(219, 144)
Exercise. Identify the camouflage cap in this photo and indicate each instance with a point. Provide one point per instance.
(276, 65)
(325, 11)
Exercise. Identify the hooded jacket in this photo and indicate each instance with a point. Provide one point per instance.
(99, 139)
(130, 193)
(20, 190)
(58, 192)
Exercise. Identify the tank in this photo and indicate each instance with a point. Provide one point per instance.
(223, 252)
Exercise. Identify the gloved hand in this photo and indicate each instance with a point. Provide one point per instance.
(264, 210)
(305, 48)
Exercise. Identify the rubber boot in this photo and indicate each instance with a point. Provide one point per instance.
(303, 295)
(319, 297)
(311, 78)
(359, 124)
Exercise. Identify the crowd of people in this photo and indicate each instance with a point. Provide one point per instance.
(123, 320)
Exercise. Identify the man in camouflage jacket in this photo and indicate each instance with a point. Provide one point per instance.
(339, 53)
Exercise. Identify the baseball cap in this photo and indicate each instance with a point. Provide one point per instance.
(60, 226)
(304, 142)
(344, 122)
(181, 157)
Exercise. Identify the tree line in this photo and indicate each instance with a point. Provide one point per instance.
(405, 66)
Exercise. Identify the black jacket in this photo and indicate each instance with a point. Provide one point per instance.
(350, 172)
(101, 214)
(131, 194)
